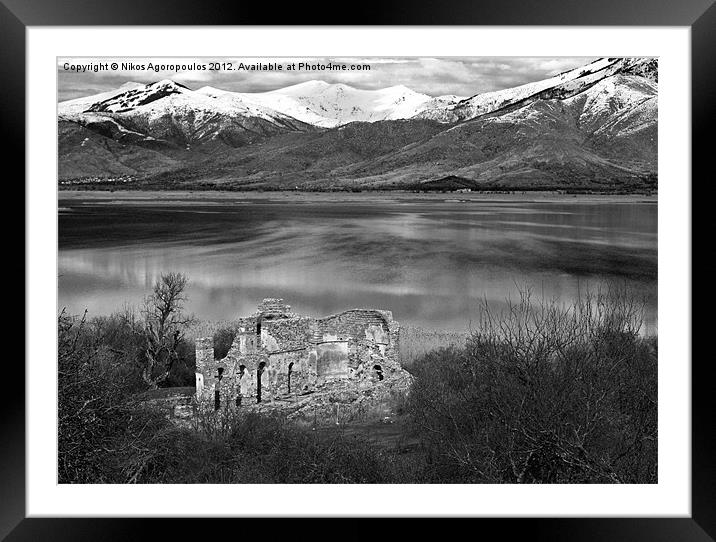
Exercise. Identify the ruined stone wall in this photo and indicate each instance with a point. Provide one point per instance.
(247, 341)
(204, 360)
(274, 306)
(244, 378)
(353, 323)
(179, 405)
(233, 375)
(332, 360)
(372, 337)
(290, 365)
(359, 345)
(286, 333)
(247, 323)
(391, 352)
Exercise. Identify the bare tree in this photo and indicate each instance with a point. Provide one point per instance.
(545, 392)
(164, 327)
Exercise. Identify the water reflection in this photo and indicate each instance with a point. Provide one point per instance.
(431, 262)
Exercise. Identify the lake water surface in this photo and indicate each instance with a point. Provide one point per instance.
(431, 260)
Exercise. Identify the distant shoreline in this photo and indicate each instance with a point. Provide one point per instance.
(159, 197)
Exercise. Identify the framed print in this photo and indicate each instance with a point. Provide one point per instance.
(412, 267)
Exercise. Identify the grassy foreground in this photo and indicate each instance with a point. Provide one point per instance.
(541, 393)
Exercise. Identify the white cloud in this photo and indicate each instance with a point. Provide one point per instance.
(434, 76)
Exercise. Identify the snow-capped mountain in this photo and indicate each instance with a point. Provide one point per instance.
(72, 109)
(603, 136)
(330, 105)
(315, 103)
(170, 113)
(592, 126)
(562, 85)
(165, 96)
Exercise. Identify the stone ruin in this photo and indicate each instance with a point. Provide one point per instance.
(282, 358)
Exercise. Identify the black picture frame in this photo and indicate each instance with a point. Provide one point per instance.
(699, 15)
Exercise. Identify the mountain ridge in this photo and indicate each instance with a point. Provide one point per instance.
(592, 126)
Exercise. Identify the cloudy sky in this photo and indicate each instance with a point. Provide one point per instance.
(433, 76)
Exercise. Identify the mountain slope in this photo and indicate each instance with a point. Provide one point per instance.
(330, 105)
(604, 134)
(595, 126)
(168, 114)
(567, 83)
(72, 109)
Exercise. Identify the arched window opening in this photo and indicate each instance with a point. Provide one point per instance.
(217, 390)
(290, 370)
(242, 373)
(377, 372)
(259, 372)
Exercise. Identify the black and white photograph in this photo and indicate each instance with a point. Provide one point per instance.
(357, 270)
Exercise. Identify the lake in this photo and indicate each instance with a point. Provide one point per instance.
(431, 259)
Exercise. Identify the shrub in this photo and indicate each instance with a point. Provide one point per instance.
(107, 435)
(97, 424)
(543, 393)
(251, 448)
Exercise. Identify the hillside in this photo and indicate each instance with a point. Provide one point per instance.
(595, 126)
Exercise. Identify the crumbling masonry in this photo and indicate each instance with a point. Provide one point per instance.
(278, 355)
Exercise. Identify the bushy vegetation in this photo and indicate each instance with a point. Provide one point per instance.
(543, 393)
(98, 426)
(107, 435)
(248, 447)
